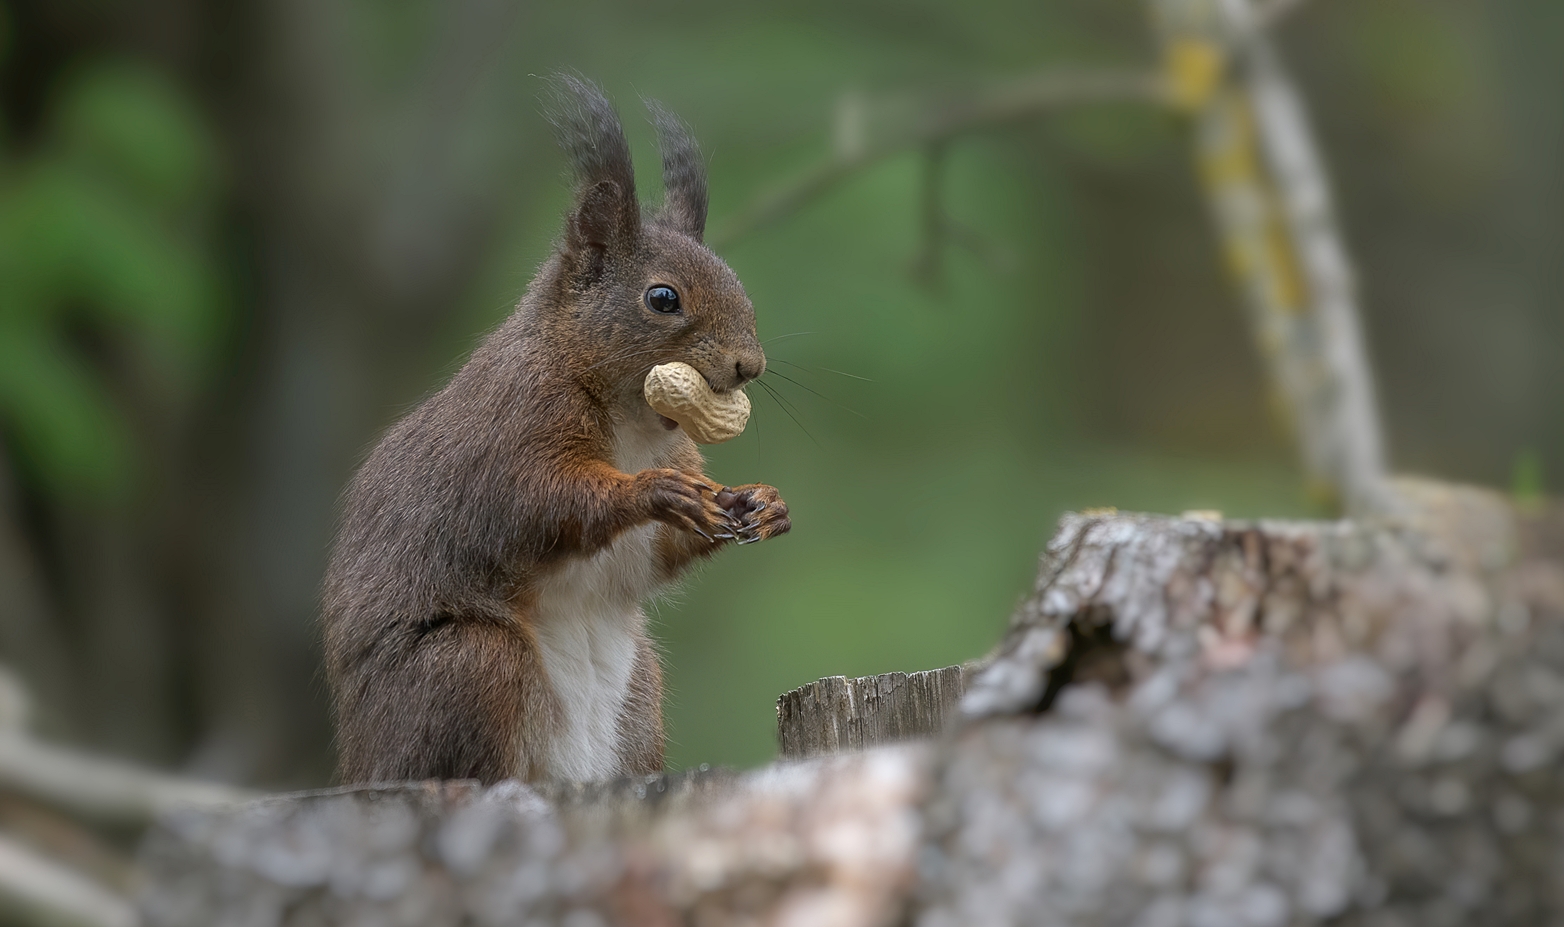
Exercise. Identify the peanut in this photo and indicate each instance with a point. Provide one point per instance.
(679, 392)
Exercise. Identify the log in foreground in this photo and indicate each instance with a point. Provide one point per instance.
(826, 842)
(1188, 722)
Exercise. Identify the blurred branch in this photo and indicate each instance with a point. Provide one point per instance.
(1266, 184)
(99, 788)
(98, 853)
(1005, 103)
(37, 890)
(1272, 12)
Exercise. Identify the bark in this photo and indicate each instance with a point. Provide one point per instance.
(1188, 722)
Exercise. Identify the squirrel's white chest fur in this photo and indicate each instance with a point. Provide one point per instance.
(589, 621)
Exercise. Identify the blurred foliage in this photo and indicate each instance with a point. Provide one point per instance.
(105, 263)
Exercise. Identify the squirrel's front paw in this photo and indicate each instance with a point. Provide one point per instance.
(757, 509)
(685, 500)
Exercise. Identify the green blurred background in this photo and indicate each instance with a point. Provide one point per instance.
(238, 239)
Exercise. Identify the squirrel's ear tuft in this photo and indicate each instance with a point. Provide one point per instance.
(606, 215)
(684, 174)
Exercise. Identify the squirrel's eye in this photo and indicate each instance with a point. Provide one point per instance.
(662, 299)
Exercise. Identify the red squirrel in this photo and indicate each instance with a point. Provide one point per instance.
(482, 606)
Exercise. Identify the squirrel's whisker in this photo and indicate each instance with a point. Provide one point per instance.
(840, 373)
(755, 426)
(818, 393)
(782, 404)
(781, 337)
(780, 399)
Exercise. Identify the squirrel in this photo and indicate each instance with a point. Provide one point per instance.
(482, 604)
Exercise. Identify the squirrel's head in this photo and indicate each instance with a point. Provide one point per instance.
(635, 290)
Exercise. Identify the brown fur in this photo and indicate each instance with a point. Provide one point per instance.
(507, 474)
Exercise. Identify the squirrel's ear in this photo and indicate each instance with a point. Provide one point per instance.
(605, 219)
(606, 216)
(684, 174)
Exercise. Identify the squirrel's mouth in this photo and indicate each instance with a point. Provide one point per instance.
(668, 423)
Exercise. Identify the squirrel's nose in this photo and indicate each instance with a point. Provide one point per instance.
(749, 368)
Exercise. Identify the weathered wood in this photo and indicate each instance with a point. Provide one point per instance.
(838, 713)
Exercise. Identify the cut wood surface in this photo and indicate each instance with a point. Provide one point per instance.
(1188, 722)
(839, 713)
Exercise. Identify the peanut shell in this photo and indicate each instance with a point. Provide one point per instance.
(679, 392)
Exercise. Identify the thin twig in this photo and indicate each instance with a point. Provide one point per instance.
(1005, 103)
